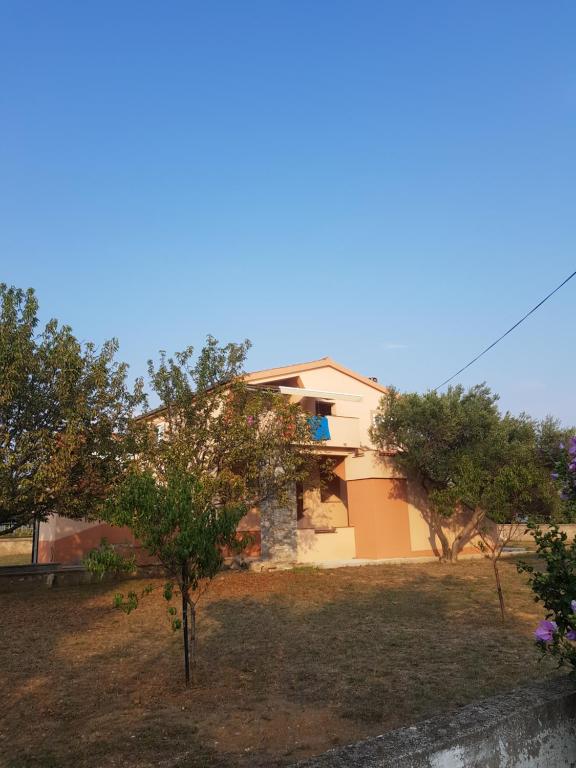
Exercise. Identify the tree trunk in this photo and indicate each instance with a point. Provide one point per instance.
(436, 520)
(188, 624)
(193, 633)
(185, 636)
(444, 543)
(499, 587)
(466, 532)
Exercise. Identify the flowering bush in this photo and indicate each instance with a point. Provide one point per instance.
(555, 585)
(555, 588)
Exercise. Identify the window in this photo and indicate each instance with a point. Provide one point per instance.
(323, 408)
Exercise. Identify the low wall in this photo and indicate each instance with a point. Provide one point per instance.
(16, 546)
(51, 575)
(522, 535)
(530, 727)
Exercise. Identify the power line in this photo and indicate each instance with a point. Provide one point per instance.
(507, 332)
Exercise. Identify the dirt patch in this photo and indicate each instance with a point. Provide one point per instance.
(290, 664)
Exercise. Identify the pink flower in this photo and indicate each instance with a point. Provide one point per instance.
(545, 631)
(571, 634)
(573, 606)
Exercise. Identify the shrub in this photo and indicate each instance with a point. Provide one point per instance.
(555, 588)
(105, 559)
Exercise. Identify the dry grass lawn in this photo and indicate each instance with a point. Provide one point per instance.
(291, 663)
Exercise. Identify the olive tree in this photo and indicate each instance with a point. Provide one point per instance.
(467, 456)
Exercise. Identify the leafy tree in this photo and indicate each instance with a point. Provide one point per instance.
(557, 450)
(550, 436)
(466, 455)
(519, 491)
(65, 412)
(223, 448)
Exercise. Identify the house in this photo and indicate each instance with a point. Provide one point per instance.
(363, 509)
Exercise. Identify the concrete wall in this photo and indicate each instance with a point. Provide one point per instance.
(378, 512)
(521, 534)
(322, 547)
(530, 727)
(391, 515)
(17, 546)
(423, 537)
(67, 541)
(330, 513)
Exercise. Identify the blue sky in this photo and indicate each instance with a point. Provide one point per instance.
(390, 184)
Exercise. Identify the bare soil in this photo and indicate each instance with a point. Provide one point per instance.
(290, 664)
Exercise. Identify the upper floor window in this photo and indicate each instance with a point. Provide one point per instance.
(323, 408)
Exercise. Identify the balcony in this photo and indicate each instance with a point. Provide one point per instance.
(344, 432)
(336, 431)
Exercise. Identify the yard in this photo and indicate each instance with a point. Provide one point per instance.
(291, 664)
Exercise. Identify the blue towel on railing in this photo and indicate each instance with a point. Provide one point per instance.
(319, 427)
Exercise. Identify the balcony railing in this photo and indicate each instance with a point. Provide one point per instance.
(336, 431)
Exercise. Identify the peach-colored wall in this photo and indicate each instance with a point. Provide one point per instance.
(57, 527)
(251, 521)
(369, 464)
(315, 547)
(378, 511)
(70, 549)
(424, 539)
(323, 514)
(252, 550)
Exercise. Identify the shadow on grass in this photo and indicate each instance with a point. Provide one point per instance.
(364, 649)
(384, 655)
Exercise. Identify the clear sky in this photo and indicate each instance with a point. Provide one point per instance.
(388, 183)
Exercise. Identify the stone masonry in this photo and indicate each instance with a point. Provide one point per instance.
(278, 525)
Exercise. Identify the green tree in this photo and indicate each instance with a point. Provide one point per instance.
(65, 415)
(466, 455)
(519, 491)
(553, 440)
(222, 448)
